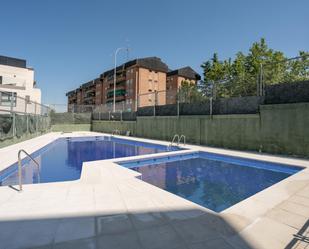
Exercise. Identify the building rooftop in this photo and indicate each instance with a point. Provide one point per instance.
(88, 84)
(70, 93)
(13, 62)
(186, 72)
(153, 63)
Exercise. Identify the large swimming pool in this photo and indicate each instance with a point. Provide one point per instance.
(62, 159)
(211, 180)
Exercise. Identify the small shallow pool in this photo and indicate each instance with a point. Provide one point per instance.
(211, 180)
(62, 159)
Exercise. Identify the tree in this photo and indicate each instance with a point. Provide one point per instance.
(239, 77)
(298, 70)
(216, 74)
(189, 92)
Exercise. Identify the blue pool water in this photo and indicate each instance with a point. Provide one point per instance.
(213, 181)
(62, 160)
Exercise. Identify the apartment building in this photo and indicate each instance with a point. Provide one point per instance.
(175, 78)
(17, 80)
(139, 82)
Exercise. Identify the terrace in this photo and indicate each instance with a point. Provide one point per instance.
(111, 207)
(241, 182)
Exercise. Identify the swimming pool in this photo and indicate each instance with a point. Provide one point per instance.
(211, 180)
(62, 159)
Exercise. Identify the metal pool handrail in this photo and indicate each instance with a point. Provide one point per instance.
(184, 140)
(19, 168)
(115, 132)
(176, 136)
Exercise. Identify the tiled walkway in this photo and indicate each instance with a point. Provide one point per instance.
(110, 208)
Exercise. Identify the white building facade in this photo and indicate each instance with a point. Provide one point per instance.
(18, 91)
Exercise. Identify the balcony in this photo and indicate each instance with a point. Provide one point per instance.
(119, 93)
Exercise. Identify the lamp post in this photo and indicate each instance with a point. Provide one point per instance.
(115, 69)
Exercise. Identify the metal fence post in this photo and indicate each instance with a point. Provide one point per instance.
(109, 115)
(13, 115)
(27, 115)
(120, 115)
(177, 97)
(14, 124)
(259, 84)
(36, 118)
(154, 105)
(210, 106)
(12, 101)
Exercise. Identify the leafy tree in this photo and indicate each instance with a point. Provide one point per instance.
(189, 92)
(239, 77)
(298, 70)
(216, 75)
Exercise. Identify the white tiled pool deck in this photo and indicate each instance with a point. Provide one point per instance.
(109, 207)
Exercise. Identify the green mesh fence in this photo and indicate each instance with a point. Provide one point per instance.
(71, 118)
(6, 126)
(17, 125)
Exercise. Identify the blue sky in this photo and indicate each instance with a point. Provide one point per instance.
(70, 42)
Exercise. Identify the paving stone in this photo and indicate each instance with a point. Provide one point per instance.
(212, 244)
(192, 231)
(267, 233)
(75, 228)
(159, 237)
(127, 240)
(295, 208)
(113, 224)
(32, 233)
(287, 218)
(77, 244)
(145, 220)
(299, 200)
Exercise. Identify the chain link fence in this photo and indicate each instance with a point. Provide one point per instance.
(20, 116)
(292, 70)
(277, 82)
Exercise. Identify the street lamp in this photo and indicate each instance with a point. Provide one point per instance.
(115, 68)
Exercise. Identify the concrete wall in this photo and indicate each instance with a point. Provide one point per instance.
(280, 129)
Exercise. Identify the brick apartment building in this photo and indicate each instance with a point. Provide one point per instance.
(139, 82)
(175, 78)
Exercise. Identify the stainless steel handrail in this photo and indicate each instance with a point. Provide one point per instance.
(184, 140)
(19, 168)
(176, 136)
(115, 132)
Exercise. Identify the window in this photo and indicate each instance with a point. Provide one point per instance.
(0, 80)
(7, 98)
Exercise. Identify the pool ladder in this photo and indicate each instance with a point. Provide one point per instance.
(177, 140)
(116, 132)
(20, 171)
